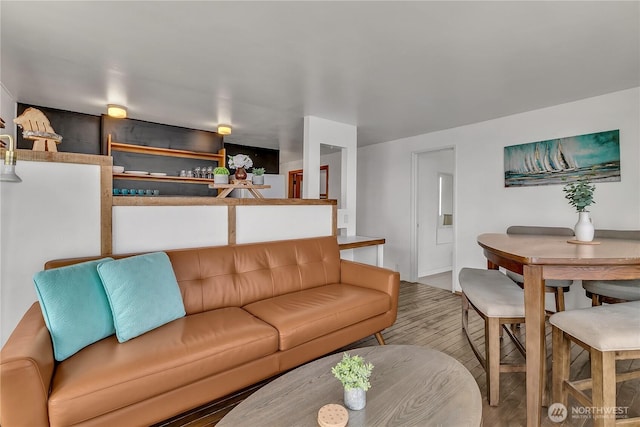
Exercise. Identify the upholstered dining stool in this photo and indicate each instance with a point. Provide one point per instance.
(608, 333)
(495, 298)
(556, 287)
(613, 291)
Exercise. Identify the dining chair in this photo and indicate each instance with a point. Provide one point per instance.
(495, 298)
(613, 291)
(556, 287)
(600, 331)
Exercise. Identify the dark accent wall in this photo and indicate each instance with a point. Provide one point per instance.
(87, 134)
(80, 132)
(139, 132)
(262, 157)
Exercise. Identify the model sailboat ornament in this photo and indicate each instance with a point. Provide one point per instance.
(35, 126)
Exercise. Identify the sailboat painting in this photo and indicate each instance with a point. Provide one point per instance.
(563, 160)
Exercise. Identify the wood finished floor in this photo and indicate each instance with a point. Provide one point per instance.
(430, 317)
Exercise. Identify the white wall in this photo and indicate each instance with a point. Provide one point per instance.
(152, 228)
(53, 213)
(482, 202)
(319, 131)
(284, 222)
(7, 112)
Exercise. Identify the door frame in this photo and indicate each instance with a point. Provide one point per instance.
(415, 192)
(298, 173)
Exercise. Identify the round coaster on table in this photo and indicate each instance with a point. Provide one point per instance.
(580, 242)
(333, 415)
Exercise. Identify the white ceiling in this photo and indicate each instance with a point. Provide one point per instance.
(394, 69)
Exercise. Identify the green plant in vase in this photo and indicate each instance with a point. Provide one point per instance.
(221, 175)
(353, 372)
(579, 193)
(258, 176)
(221, 170)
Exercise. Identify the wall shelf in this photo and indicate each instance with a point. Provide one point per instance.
(112, 146)
(168, 178)
(143, 149)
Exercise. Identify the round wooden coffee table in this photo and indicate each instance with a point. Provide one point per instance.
(410, 386)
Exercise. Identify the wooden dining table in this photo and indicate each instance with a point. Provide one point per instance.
(539, 258)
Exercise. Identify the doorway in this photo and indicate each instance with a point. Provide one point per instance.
(434, 220)
(295, 183)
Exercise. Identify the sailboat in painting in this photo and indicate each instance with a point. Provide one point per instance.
(547, 156)
(562, 161)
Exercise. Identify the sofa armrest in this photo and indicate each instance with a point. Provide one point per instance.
(370, 276)
(26, 370)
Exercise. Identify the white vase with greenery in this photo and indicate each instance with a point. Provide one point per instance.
(221, 175)
(258, 176)
(354, 373)
(580, 196)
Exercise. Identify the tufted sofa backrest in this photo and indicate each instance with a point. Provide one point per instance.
(233, 276)
(236, 275)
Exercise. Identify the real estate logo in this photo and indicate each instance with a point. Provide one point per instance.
(557, 412)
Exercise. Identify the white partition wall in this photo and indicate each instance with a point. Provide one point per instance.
(281, 222)
(53, 213)
(319, 131)
(150, 228)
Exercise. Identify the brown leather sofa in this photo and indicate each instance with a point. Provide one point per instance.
(253, 311)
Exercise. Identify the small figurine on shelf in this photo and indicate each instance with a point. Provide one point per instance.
(35, 126)
(240, 162)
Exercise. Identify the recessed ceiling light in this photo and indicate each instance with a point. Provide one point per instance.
(224, 129)
(116, 111)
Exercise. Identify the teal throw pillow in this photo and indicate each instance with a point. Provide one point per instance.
(74, 306)
(143, 293)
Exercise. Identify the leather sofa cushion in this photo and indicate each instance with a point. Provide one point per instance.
(108, 375)
(234, 276)
(303, 316)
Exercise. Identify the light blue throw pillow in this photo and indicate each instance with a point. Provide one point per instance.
(143, 293)
(74, 306)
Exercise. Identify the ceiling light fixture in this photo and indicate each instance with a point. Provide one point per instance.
(116, 111)
(224, 129)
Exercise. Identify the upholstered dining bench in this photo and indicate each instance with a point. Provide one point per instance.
(499, 302)
(609, 333)
(613, 291)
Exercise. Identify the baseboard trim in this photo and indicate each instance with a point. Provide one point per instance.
(435, 271)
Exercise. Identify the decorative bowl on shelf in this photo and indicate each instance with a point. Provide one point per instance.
(118, 169)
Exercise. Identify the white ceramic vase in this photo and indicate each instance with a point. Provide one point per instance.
(355, 398)
(584, 227)
(221, 179)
